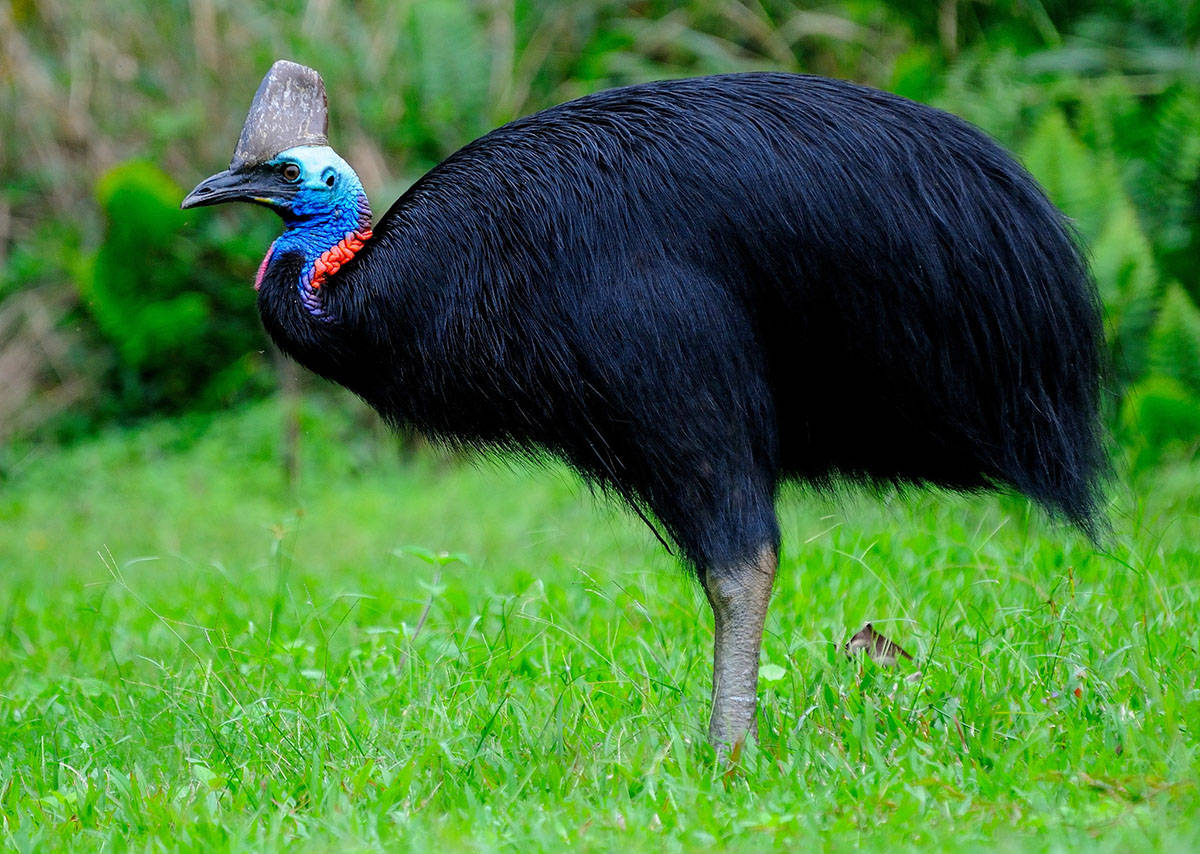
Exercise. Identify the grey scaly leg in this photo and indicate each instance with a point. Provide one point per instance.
(738, 596)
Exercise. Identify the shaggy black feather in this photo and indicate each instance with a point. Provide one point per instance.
(693, 290)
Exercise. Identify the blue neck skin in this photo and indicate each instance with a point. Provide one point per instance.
(329, 206)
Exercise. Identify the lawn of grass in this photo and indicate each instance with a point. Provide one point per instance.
(403, 652)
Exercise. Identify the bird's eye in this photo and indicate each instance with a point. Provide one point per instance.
(290, 171)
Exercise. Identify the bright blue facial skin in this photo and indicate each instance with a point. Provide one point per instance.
(329, 205)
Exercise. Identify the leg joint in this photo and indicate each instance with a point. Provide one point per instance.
(735, 586)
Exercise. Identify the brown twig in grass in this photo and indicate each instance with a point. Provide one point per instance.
(437, 576)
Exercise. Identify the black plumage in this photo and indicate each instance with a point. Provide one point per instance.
(694, 290)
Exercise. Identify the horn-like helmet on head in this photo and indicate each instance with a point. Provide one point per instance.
(289, 109)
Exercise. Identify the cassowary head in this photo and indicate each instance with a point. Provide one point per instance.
(283, 161)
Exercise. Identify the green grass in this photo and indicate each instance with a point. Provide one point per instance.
(195, 657)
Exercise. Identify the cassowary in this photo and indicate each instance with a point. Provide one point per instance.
(691, 291)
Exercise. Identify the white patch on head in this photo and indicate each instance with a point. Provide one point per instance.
(314, 161)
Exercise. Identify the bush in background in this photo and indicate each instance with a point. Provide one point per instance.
(170, 301)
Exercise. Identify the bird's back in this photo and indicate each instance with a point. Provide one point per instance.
(691, 290)
(879, 288)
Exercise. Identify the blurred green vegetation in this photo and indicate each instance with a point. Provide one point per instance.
(114, 304)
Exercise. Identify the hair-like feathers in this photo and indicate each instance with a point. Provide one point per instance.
(693, 290)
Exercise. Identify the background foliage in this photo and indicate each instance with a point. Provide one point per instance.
(114, 304)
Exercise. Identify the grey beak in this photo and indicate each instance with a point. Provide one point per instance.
(235, 186)
(223, 187)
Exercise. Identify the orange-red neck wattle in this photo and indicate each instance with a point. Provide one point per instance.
(332, 259)
(325, 265)
(326, 243)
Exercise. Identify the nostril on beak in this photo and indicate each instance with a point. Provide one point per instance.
(204, 191)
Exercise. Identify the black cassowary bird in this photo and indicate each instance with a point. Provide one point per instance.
(691, 291)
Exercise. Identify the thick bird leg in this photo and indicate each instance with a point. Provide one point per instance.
(738, 596)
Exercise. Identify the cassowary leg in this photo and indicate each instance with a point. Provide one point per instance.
(738, 596)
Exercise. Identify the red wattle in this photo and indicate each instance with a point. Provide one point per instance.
(262, 268)
(332, 259)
